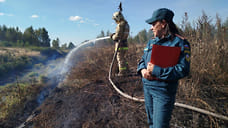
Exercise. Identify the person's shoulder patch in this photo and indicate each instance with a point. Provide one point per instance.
(187, 57)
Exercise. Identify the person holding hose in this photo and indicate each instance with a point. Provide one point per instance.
(160, 82)
(120, 38)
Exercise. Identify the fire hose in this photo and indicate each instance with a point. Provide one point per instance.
(142, 100)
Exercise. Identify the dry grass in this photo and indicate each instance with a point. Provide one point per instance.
(18, 51)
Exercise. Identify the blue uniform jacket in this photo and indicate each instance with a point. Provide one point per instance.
(169, 75)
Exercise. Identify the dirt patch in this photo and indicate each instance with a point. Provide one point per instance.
(95, 105)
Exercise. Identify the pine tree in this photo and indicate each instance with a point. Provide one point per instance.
(55, 43)
(71, 45)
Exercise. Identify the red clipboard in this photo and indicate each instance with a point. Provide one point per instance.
(165, 56)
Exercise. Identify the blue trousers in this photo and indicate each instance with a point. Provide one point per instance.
(159, 103)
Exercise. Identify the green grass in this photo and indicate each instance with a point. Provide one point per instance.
(10, 62)
(13, 99)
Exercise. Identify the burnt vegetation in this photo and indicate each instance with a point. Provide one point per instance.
(86, 99)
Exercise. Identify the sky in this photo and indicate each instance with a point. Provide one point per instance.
(79, 20)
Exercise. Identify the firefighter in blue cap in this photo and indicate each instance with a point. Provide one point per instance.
(160, 83)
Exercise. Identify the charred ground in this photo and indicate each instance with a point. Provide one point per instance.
(86, 99)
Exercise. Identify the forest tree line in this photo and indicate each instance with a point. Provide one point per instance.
(13, 37)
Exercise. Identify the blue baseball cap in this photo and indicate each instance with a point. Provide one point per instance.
(161, 14)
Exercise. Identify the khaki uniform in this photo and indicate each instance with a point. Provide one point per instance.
(120, 36)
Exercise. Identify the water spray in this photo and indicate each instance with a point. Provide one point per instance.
(70, 60)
